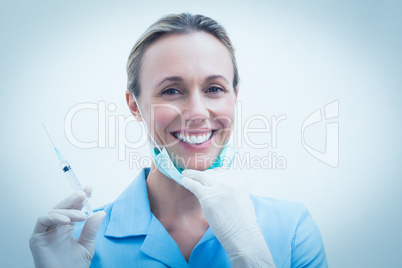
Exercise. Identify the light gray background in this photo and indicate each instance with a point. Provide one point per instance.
(294, 58)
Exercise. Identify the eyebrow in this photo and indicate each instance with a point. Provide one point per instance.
(179, 79)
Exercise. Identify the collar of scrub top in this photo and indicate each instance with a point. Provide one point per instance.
(131, 216)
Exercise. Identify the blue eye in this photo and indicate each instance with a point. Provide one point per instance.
(215, 89)
(170, 91)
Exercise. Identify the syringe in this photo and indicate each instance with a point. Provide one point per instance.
(72, 179)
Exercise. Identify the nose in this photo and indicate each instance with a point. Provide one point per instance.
(196, 109)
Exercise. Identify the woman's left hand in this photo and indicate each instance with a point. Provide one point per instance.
(231, 216)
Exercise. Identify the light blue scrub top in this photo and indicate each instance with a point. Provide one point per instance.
(131, 236)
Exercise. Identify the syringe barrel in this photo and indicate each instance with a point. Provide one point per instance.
(72, 179)
(88, 207)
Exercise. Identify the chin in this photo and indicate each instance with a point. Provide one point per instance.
(197, 162)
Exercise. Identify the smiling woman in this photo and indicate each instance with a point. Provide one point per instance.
(183, 84)
(189, 72)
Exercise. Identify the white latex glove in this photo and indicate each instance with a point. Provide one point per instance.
(230, 213)
(52, 243)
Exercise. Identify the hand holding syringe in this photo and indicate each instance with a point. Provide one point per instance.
(52, 242)
(72, 179)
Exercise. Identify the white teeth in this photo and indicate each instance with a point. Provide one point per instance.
(193, 139)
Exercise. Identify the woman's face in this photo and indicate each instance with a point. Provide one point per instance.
(187, 97)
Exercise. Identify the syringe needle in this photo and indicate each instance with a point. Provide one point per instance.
(48, 134)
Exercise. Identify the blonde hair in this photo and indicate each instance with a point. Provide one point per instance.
(183, 23)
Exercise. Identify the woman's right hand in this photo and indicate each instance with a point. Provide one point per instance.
(52, 243)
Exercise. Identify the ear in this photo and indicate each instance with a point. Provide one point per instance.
(132, 105)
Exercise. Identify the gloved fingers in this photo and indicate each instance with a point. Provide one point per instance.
(193, 186)
(73, 201)
(44, 222)
(88, 234)
(199, 176)
(209, 177)
(58, 217)
(72, 214)
(87, 190)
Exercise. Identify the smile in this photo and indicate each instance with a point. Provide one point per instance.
(195, 138)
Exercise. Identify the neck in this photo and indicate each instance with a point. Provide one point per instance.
(169, 200)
